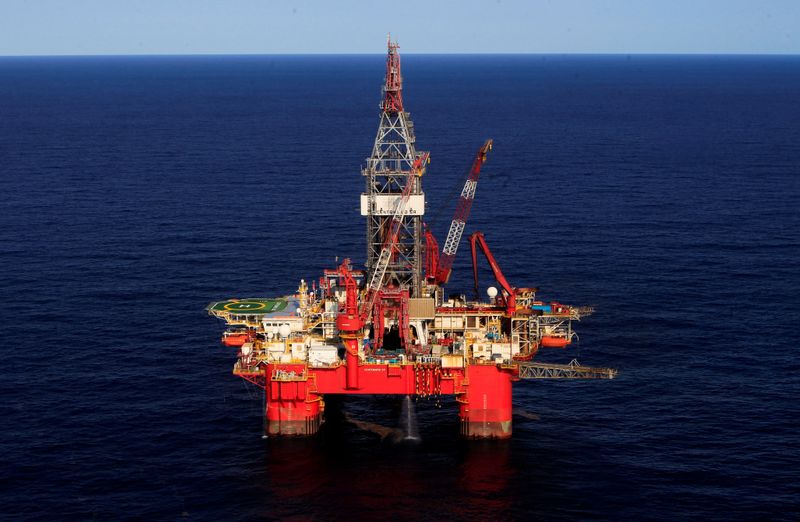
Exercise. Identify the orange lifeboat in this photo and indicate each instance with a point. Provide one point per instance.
(549, 341)
(235, 339)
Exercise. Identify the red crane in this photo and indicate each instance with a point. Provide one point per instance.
(348, 316)
(477, 240)
(438, 268)
(393, 87)
(431, 255)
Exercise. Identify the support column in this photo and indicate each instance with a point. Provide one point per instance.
(351, 361)
(292, 410)
(486, 403)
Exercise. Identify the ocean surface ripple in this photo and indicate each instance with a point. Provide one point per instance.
(663, 190)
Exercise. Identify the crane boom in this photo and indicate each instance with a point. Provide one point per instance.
(477, 240)
(431, 256)
(462, 214)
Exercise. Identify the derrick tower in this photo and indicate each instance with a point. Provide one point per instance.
(386, 173)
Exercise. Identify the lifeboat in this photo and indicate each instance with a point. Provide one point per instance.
(550, 341)
(235, 339)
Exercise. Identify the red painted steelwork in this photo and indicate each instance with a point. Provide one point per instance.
(431, 256)
(293, 408)
(348, 319)
(460, 218)
(486, 404)
(403, 379)
(395, 302)
(351, 362)
(388, 379)
(476, 240)
(349, 323)
(393, 87)
(483, 392)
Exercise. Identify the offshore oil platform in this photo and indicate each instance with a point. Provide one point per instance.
(389, 329)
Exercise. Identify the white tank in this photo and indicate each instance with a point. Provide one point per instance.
(491, 292)
(284, 330)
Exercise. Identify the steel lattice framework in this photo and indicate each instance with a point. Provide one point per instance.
(387, 171)
(573, 370)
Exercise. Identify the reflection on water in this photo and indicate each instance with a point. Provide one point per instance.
(356, 466)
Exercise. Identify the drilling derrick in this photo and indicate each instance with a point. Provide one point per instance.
(387, 172)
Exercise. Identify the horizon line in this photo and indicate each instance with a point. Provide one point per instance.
(477, 53)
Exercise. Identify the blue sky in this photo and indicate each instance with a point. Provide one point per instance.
(307, 26)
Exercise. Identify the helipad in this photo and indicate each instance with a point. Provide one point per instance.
(249, 306)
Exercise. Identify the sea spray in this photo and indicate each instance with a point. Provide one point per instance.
(408, 419)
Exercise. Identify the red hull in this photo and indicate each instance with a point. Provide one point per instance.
(295, 392)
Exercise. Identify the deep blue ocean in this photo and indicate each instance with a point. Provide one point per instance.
(663, 190)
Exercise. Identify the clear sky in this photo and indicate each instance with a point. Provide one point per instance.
(348, 26)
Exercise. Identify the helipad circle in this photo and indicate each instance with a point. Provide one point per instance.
(244, 306)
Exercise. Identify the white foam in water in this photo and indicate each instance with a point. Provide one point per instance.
(408, 419)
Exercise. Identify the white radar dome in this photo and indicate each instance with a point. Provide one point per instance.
(491, 292)
(284, 330)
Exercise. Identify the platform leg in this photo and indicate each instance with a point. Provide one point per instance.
(292, 410)
(293, 418)
(486, 403)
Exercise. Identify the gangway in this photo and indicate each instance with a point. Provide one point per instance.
(572, 370)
